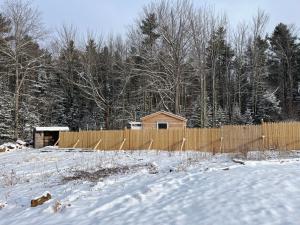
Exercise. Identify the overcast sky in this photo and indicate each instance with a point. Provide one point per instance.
(114, 16)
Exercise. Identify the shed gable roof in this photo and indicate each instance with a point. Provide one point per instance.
(164, 113)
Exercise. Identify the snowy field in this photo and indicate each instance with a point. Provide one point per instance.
(146, 187)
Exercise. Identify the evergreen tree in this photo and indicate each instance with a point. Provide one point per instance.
(148, 27)
(6, 103)
(6, 112)
(219, 63)
(283, 67)
(147, 65)
(68, 66)
(258, 101)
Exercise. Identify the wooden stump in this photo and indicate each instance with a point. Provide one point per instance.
(40, 200)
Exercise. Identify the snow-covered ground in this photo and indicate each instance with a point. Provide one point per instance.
(8, 147)
(146, 187)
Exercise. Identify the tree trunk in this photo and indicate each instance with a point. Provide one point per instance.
(106, 117)
(203, 99)
(177, 98)
(290, 92)
(17, 96)
(214, 96)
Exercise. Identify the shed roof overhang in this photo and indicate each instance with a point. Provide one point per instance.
(41, 129)
(165, 113)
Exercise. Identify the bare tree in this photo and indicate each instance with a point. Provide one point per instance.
(26, 29)
(258, 67)
(217, 65)
(202, 23)
(161, 44)
(240, 48)
(173, 20)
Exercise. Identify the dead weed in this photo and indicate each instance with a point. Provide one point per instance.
(101, 173)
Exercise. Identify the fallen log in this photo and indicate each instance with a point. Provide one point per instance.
(238, 161)
(40, 200)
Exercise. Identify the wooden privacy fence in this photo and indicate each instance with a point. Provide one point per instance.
(281, 136)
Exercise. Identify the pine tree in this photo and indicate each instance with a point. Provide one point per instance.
(68, 66)
(283, 67)
(256, 73)
(258, 100)
(148, 64)
(148, 27)
(6, 112)
(219, 63)
(6, 103)
(34, 101)
(268, 108)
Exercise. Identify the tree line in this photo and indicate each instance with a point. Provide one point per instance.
(176, 57)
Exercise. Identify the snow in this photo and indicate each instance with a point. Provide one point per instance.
(52, 129)
(6, 147)
(188, 188)
(20, 142)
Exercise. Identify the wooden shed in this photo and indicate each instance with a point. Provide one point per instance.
(46, 136)
(163, 120)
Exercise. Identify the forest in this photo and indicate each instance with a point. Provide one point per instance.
(175, 57)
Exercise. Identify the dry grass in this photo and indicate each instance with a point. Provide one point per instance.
(10, 178)
(101, 173)
(59, 206)
(266, 155)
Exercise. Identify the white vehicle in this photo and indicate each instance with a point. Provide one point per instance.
(135, 125)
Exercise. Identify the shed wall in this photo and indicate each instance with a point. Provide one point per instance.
(39, 139)
(151, 123)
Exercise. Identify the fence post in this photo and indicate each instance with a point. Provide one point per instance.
(182, 144)
(57, 141)
(150, 145)
(126, 138)
(122, 144)
(221, 138)
(263, 134)
(74, 146)
(98, 143)
(169, 147)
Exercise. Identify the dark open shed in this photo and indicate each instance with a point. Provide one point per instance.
(46, 136)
